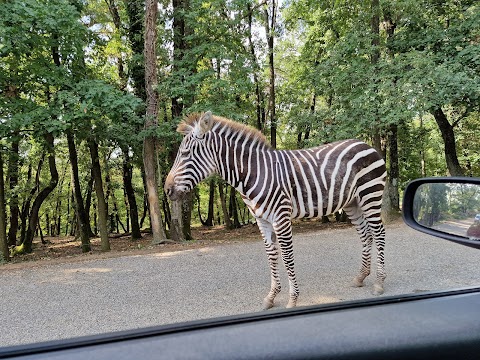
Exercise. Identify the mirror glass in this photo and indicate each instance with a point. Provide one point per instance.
(449, 207)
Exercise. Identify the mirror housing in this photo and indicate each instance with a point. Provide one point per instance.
(445, 207)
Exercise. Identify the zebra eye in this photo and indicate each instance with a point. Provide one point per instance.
(184, 152)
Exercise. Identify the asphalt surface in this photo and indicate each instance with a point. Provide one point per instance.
(97, 296)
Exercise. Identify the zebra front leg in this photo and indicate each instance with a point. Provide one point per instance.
(378, 231)
(283, 231)
(366, 257)
(272, 253)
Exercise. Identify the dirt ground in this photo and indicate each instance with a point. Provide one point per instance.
(67, 249)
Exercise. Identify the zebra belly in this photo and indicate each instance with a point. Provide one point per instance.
(316, 206)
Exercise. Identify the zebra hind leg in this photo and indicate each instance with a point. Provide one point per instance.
(370, 228)
(271, 248)
(361, 225)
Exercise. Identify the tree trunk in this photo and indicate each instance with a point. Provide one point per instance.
(374, 57)
(211, 202)
(33, 220)
(179, 47)
(167, 215)
(95, 222)
(453, 165)
(4, 255)
(197, 196)
(12, 175)
(135, 13)
(117, 218)
(108, 187)
(391, 201)
(127, 209)
(68, 209)
(187, 216)
(132, 9)
(181, 212)
(79, 207)
(233, 208)
(58, 220)
(394, 167)
(176, 224)
(47, 223)
(72, 218)
(270, 23)
(39, 232)
(88, 203)
(58, 204)
(145, 208)
(101, 204)
(149, 144)
(221, 191)
(25, 212)
(258, 93)
(130, 192)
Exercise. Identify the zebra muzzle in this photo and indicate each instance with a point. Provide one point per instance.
(174, 193)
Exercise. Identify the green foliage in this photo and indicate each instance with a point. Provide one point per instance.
(429, 59)
(213, 70)
(70, 65)
(94, 108)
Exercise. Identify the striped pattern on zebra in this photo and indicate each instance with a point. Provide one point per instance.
(279, 185)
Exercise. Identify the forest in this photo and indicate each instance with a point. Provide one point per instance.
(91, 92)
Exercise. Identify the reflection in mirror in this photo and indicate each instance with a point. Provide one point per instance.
(449, 207)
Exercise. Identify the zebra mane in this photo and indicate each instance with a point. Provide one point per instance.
(190, 120)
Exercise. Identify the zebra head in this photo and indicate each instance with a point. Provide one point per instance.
(194, 161)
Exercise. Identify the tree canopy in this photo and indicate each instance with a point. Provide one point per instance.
(403, 75)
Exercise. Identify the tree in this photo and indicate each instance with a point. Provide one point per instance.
(102, 206)
(149, 144)
(181, 209)
(4, 255)
(405, 71)
(12, 175)
(130, 193)
(270, 24)
(42, 195)
(81, 214)
(260, 110)
(448, 135)
(137, 73)
(439, 50)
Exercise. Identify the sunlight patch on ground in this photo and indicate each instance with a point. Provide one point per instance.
(200, 252)
(169, 254)
(323, 299)
(87, 270)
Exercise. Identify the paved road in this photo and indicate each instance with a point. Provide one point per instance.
(69, 300)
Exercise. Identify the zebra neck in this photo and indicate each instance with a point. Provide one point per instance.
(245, 164)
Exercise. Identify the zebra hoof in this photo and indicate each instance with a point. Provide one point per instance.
(291, 304)
(267, 304)
(377, 289)
(358, 281)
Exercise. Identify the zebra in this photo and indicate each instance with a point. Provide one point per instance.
(280, 185)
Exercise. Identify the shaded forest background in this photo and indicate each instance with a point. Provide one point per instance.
(91, 93)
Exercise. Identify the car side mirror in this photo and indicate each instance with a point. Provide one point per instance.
(445, 207)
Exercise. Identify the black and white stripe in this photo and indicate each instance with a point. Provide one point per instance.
(280, 185)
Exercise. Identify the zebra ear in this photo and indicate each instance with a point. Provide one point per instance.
(206, 122)
(184, 128)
